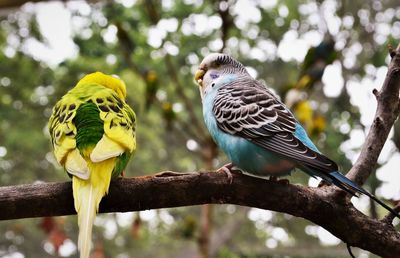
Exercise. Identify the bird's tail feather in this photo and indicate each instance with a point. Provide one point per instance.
(86, 215)
(87, 197)
(351, 187)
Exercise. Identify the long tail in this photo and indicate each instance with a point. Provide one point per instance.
(351, 187)
(87, 197)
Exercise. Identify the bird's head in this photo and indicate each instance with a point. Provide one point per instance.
(108, 81)
(214, 66)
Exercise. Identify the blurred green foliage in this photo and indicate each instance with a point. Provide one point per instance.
(167, 40)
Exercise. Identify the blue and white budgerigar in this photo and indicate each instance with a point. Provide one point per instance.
(256, 130)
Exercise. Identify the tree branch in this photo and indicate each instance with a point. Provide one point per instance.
(386, 113)
(318, 205)
(227, 21)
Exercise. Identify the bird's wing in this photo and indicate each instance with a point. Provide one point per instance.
(248, 109)
(63, 132)
(119, 126)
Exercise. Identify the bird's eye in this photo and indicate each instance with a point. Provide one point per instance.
(213, 84)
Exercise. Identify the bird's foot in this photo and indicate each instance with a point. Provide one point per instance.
(228, 169)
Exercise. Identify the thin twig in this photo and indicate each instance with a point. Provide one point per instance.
(198, 127)
(227, 22)
(386, 113)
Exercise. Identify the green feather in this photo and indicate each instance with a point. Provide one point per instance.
(90, 127)
(122, 161)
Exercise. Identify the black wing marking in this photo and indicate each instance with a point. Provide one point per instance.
(248, 109)
(253, 110)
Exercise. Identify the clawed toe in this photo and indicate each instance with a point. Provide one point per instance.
(228, 169)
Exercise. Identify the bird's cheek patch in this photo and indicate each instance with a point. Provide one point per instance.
(214, 76)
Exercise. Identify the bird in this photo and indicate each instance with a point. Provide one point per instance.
(315, 62)
(152, 86)
(258, 133)
(93, 134)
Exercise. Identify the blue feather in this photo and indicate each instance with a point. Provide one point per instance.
(344, 181)
(301, 134)
(244, 154)
(334, 177)
(259, 161)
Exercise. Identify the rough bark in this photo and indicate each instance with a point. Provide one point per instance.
(318, 205)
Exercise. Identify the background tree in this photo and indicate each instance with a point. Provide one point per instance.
(155, 47)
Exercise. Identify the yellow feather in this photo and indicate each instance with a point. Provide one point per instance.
(87, 197)
(63, 148)
(92, 167)
(76, 165)
(105, 149)
(121, 135)
(106, 80)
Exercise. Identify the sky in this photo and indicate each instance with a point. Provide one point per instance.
(55, 23)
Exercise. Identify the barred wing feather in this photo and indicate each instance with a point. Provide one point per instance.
(248, 109)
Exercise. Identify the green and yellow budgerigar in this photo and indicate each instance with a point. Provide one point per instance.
(93, 134)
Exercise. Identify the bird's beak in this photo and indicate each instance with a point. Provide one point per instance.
(198, 77)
